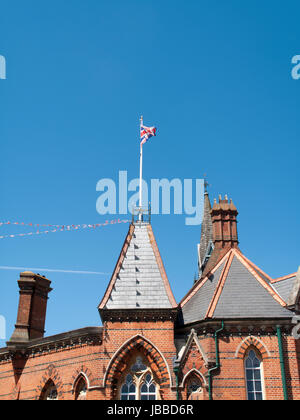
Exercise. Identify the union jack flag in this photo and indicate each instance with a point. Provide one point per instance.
(147, 133)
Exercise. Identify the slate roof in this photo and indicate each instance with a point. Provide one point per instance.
(139, 279)
(196, 308)
(234, 289)
(284, 286)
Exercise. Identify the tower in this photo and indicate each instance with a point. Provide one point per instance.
(138, 311)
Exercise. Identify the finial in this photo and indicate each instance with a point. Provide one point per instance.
(206, 184)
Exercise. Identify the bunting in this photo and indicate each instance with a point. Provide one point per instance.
(57, 228)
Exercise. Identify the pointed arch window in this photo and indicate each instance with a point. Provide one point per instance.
(81, 389)
(139, 383)
(193, 389)
(194, 386)
(128, 390)
(253, 372)
(148, 388)
(49, 392)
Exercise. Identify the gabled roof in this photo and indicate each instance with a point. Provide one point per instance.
(139, 280)
(192, 338)
(235, 288)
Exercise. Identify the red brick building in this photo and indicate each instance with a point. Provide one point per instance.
(230, 337)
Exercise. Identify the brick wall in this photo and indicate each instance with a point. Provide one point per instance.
(229, 381)
(25, 378)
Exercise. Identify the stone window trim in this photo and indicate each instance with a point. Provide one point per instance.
(197, 373)
(80, 376)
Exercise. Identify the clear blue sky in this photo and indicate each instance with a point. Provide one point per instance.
(213, 76)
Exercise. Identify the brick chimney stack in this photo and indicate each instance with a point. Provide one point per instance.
(34, 290)
(224, 223)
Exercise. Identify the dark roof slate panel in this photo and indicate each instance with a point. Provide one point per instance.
(284, 287)
(244, 297)
(196, 308)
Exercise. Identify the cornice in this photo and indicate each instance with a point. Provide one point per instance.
(138, 315)
(56, 343)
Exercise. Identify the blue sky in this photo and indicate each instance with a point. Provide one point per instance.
(213, 76)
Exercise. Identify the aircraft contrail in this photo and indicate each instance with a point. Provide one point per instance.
(50, 270)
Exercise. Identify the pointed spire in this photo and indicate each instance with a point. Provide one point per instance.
(206, 234)
(139, 280)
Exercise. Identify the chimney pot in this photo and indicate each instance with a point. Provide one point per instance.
(34, 290)
(224, 223)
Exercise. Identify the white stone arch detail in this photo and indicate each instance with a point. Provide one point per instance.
(251, 337)
(124, 345)
(76, 379)
(197, 372)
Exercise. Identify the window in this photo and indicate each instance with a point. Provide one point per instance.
(139, 383)
(49, 392)
(139, 365)
(81, 390)
(148, 389)
(253, 376)
(194, 386)
(128, 390)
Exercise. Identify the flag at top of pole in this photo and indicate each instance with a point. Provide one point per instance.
(145, 134)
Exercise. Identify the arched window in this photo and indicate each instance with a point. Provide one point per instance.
(253, 372)
(49, 392)
(81, 389)
(139, 383)
(128, 390)
(148, 388)
(193, 389)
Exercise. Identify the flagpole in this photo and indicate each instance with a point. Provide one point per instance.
(141, 171)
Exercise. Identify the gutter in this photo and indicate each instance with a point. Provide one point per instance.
(282, 367)
(217, 362)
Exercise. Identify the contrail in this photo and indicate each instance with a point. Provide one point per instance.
(50, 270)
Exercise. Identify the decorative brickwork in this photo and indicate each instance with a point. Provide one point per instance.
(138, 344)
(252, 341)
(50, 374)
